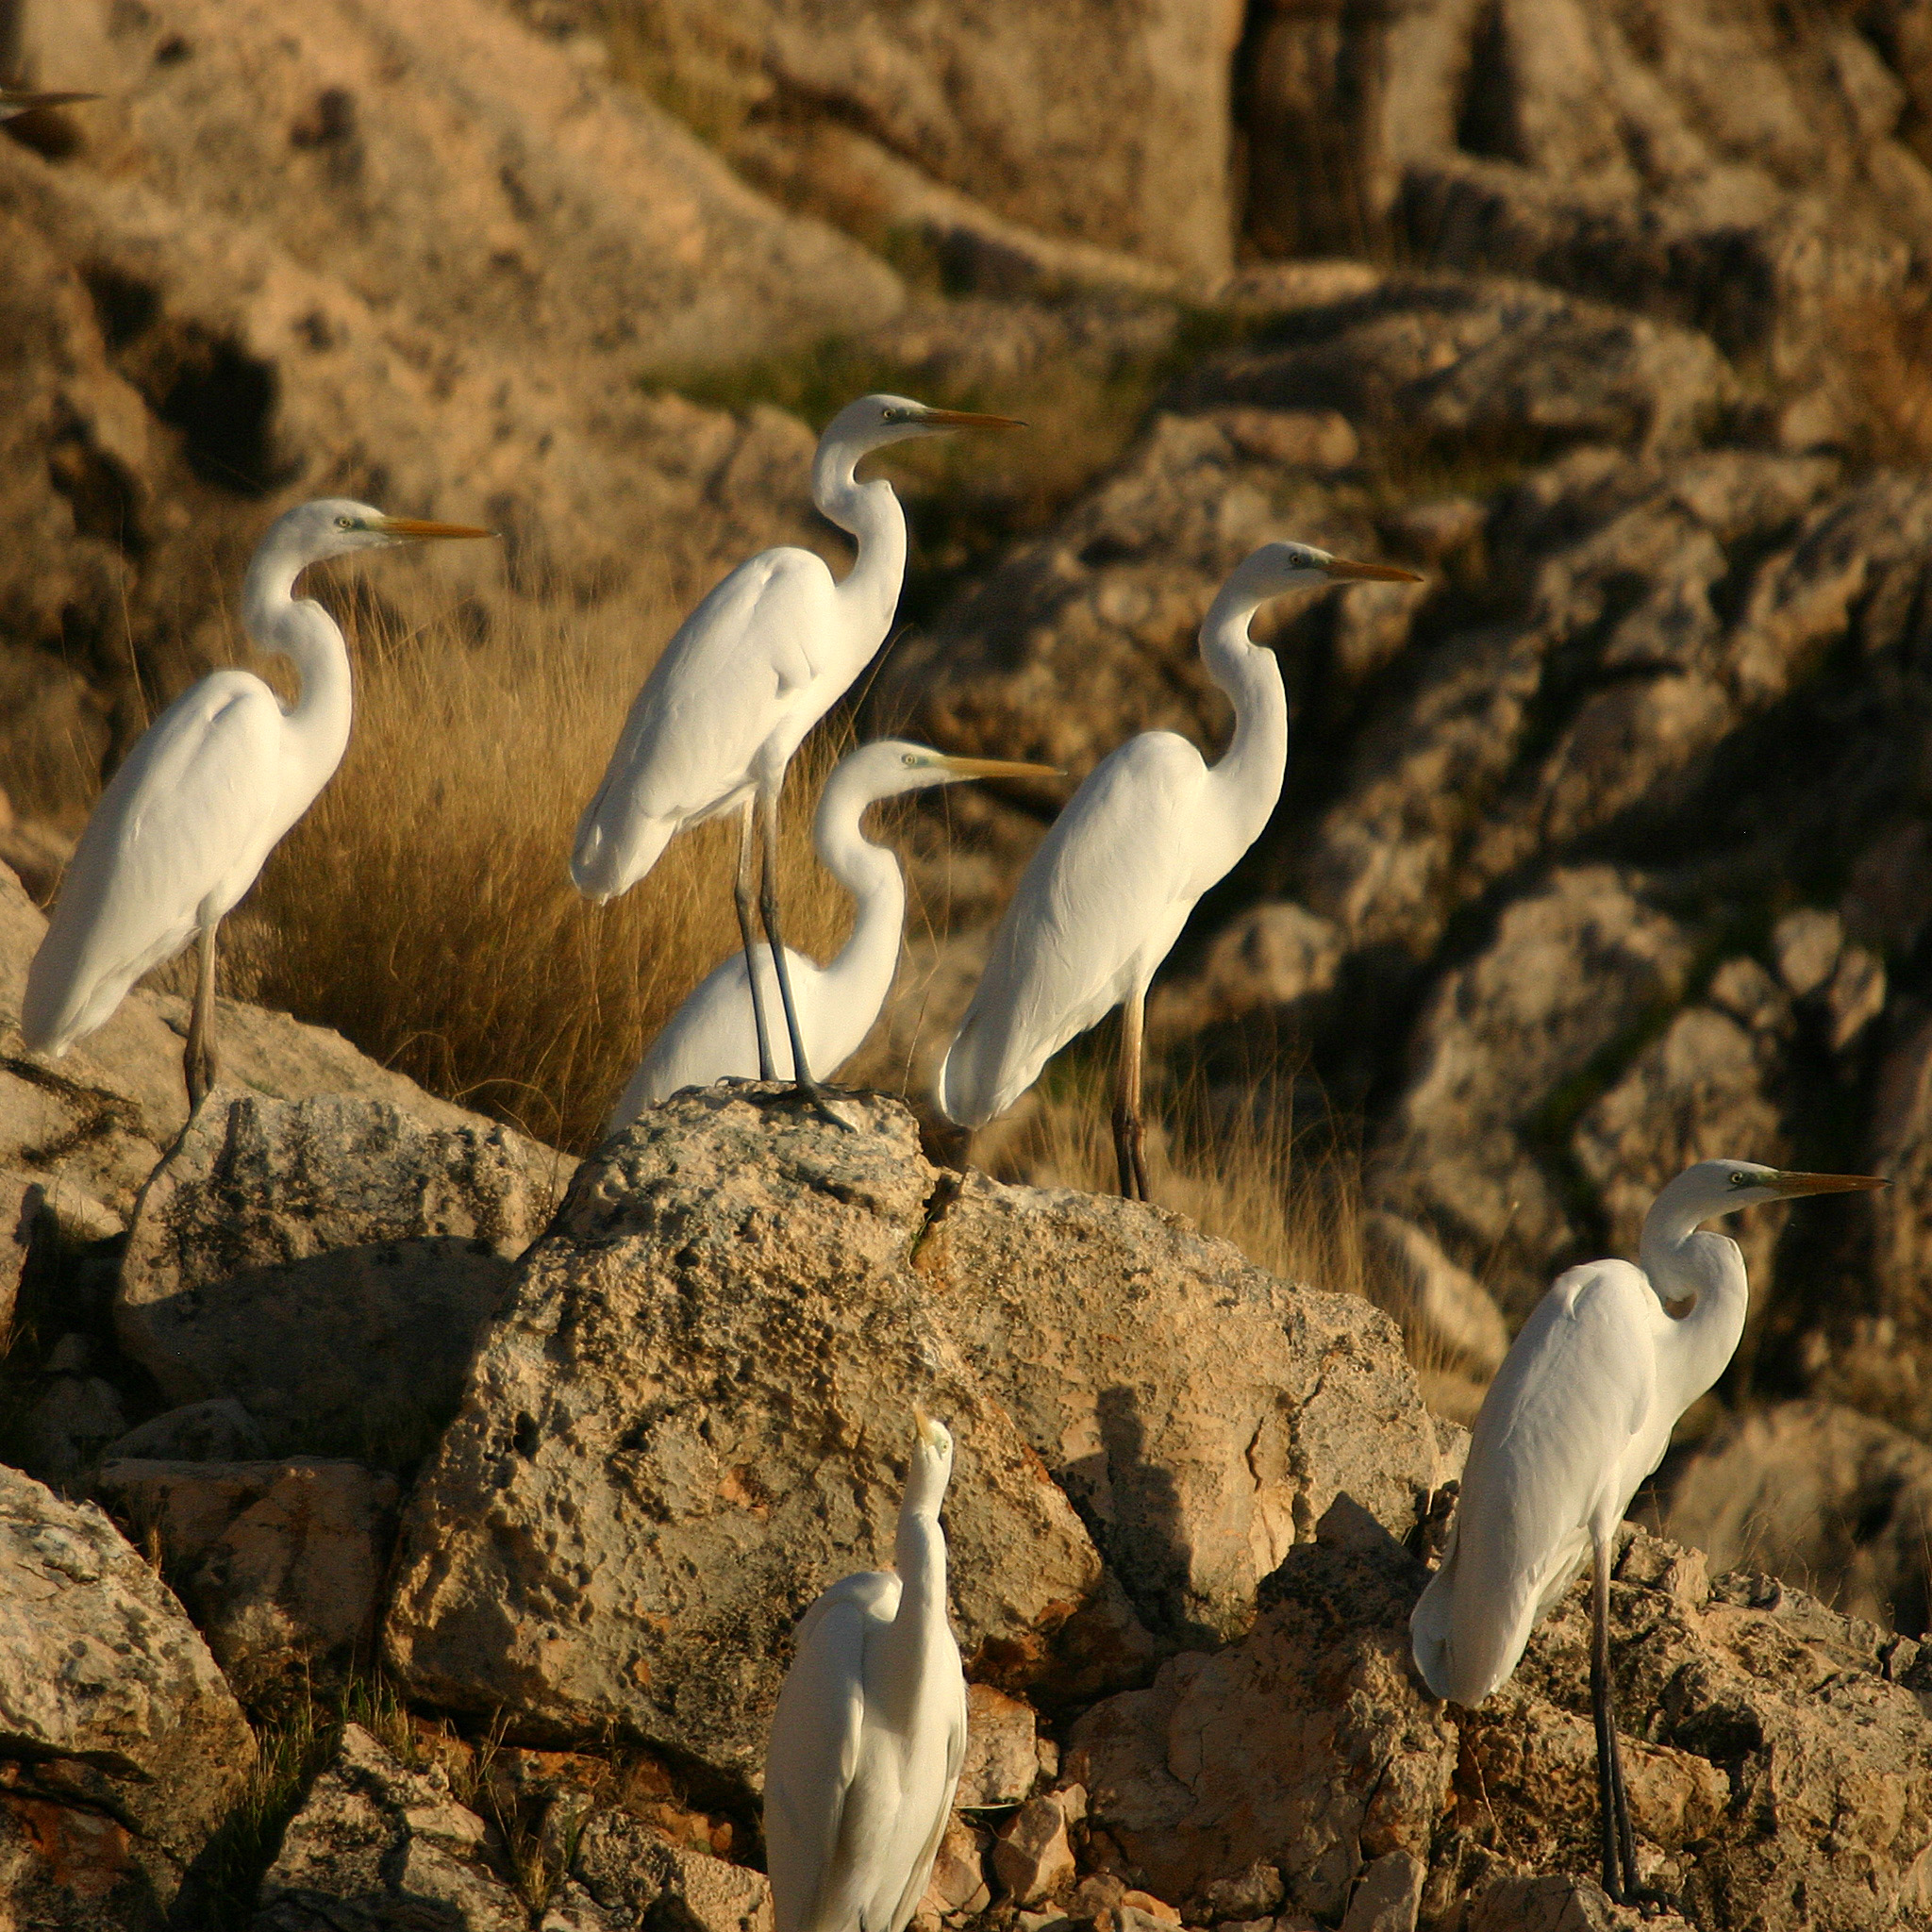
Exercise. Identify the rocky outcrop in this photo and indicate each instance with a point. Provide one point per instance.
(329, 1262)
(690, 1418)
(121, 1746)
(1333, 1767)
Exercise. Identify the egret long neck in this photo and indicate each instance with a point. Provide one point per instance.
(1707, 1269)
(317, 728)
(919, 1628)
(1249, 772)
(862, 975)
(870, 513)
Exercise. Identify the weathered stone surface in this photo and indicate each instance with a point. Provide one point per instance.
(1072, 118)
(1002, 1755)
(376, 1845)
(691, 1418)
(219, 1430)
(1270, 956)
(632, 1877)
(1031, 1857)
(278, 1562)
(1201, 1414)
(1328, 1756)
(329, 1262)
(957, 1888)
(121, 1748)
(1819, 1494)
(1569, 972)
(1447, 1316)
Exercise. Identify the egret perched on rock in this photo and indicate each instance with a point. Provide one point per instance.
(1110, 887)
(184, 825)
(870, 1730)
(15, 100)
(1579, 1413)
(760, 661)
(713, 1035)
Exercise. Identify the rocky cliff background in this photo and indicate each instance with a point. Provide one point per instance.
(1608, 847)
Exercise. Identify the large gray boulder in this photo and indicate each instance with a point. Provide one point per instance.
(329, 1262)
(121, 1746)
(693, 1416)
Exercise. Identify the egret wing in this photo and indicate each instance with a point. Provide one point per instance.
(814, 1746)
(1544, 1467)
(186, 820)
(1097, 907)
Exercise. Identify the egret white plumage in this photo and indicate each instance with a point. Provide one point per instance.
(15, 100)
(870, 1730)
(1110, 887)
(760, 661)
(713, 1035)
(183, 828)
(1579, 1413)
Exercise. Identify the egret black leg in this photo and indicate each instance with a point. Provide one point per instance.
(1619, 1838)
(200, 1062)
(1129, 1130)
(742, 894)
(768, 905)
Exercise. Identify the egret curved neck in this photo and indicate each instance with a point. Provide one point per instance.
(919, 1628)
(870, 513)
(1257, 756)
(862, 972)
(1707, 1269)
(301, 630)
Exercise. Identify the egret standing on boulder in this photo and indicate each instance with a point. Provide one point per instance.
(713, 1035)
(748, 673)
(1579, 1413)
(184, 826)
(1112, 883)
(870, 1730)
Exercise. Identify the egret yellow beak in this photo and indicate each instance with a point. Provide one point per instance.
(924, 1424)
(1370, 573)
(16, 103)
(416, 530)
(965, 419)
(998, 768)
(1795, 1184)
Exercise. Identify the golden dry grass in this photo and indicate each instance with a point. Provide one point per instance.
(423, 907)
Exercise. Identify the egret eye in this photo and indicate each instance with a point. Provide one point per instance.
(910, 758)
(1742, 1180)
(345, 522)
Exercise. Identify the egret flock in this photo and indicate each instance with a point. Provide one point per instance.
(870, 1729)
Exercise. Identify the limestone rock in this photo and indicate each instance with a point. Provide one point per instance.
(1331, 1759)
(1820, 1494)
(634, 1878)
(219, 1430)
(278, 1562)
(329, 1262)
(120, 1748)
(1031, 1857)
(1202, 1414)
(1272, 955)
(1445, 1312)
(691, 1418)
(1002, 1756)
(957, 1888)
(376, 1844)
(1570, 970)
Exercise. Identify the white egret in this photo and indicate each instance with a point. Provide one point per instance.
(1579, 1413)
(760, 661)
(14, 100)
(870, 1730)
(1110, 887)
(713, 1035)
(185, 824)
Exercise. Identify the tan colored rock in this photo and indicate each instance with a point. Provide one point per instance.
(610, 1535)
(630, 1876)
(1270, 956)
(381, 1844)
(279, 1563)
(121, 1748)
(329, 1262)
(1201, 1413)
(1387, 1894)
(1002, 1759)
(1806, 945)
(1570, 970)
(957, 1888)
(1813, 1491)
(1446, 1315)
(220, 1430)
(1031, 1857)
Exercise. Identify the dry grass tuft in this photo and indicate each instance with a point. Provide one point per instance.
(423, 908)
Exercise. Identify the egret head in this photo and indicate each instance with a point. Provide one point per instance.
(1279, 567)
(872, 421)
(334, 526)
(1721, 1187)
(930, 1467)
(891, 765)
